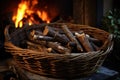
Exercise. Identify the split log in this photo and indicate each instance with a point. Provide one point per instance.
(71, 37)
(84, 41)
(36, 47)
(57, 47)
(42, 43)
(97, 42)
(73, 47)
(57, 37)
(33, 32)
(37, 35)
(95, 47)
(46, 38)
(92, 39)
(71, 44)
(53, 45)
(49, 50)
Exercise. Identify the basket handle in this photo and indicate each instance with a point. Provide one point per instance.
(6, 33)
(108, 46)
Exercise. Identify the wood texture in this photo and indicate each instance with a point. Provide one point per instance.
(71, 37)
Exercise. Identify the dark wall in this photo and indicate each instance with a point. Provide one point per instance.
(85, 12)
(64, 5)
(116, 4)
(8, 5)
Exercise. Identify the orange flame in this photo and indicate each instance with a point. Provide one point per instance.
(25, 10)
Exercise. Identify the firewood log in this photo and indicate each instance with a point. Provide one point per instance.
(92, 39)
(57, 37)
(57, 47)
(71, 44)
(71, 37)
(84, 41)
(95, 47)
(53, 45)
(36, 32)
(73, 47)
(95, 41)
(46, 38)
(43, 43)
(37, 35)
(37, 47)
(51, 50)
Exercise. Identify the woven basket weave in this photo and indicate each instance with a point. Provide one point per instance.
(71, 65)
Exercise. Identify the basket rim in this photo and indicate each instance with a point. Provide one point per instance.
(9, 45)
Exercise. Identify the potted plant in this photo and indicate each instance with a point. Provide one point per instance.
(111, 23)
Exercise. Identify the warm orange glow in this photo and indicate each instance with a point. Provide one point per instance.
(43, 15)
(20, 24)
(25, 10)
(20, 13)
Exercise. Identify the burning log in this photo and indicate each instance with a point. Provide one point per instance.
(57, 37)
(72, 37)
(84, 41)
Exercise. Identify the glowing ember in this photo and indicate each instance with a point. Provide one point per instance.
(25, 10)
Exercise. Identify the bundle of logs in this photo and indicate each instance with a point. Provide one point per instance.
(64, 41)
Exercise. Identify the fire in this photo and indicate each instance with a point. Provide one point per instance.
(25, 13)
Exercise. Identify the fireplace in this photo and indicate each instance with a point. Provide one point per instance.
(72, 11)
(80, 11)
(75, 11)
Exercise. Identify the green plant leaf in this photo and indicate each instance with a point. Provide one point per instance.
(110, 17)
(112, 22)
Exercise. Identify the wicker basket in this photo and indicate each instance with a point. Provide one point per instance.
(71, 65)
